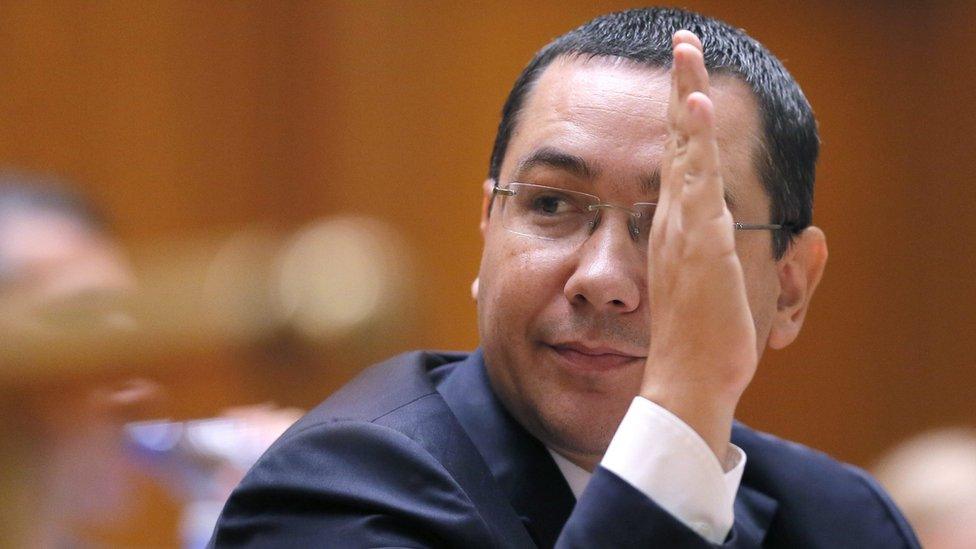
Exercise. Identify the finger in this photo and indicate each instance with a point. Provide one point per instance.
(685, 36)
(703, 198)
(682, 43)
(672, 187)
(688, 75)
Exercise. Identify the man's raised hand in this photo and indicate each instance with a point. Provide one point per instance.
(703, 341)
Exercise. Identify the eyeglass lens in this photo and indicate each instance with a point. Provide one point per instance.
(560, 214)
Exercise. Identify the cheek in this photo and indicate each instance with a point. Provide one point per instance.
(762, 286)
(517, 280)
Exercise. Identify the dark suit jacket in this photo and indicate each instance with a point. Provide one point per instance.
(418, 452)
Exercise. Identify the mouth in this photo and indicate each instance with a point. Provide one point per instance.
(594, 357)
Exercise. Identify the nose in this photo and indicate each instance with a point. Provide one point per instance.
(610, 272)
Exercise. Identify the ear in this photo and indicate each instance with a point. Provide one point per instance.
(487, 186)
(486, 196)
(799, 272)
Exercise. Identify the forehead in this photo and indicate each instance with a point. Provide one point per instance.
(612, 113)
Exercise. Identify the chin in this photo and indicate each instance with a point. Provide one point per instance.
(582, 427)
(572, 413)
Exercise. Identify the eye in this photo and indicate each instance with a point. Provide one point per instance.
(549, 204)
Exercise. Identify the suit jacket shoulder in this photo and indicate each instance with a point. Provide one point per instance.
(382, 388)
(382, 463)
(841, 505)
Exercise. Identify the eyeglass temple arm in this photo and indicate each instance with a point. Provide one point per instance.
(738, 226)
(757, 226)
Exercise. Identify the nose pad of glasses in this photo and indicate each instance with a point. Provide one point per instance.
(594, 222)
(634, 228)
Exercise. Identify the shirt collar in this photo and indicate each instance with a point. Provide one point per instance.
(575, 476)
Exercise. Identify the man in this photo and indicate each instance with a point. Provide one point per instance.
(647, 234)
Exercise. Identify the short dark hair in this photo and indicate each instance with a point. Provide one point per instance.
(787, 162)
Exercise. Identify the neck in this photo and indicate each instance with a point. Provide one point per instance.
(587, 462)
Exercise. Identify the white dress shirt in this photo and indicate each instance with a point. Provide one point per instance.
(660, 455)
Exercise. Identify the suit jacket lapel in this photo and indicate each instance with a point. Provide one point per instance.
(530, 479)
(520, 464)
(754, 512)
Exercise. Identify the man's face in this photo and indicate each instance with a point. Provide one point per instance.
(565, 332)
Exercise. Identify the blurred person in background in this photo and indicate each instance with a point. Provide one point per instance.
(598, 411)
(932, 477)
(60, 271)
(74, 466)
(56, 254)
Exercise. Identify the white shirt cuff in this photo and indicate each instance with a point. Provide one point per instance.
(668, 461)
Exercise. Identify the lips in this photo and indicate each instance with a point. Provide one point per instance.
(594, 357)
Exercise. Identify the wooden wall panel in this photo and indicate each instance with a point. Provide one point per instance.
(186, 118)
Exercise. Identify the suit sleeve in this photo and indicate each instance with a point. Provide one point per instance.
(349, 484)
(612, 513)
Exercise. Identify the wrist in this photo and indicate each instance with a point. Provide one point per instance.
(708, 412)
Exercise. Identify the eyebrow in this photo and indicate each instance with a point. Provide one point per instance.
(553, 158)
(651, 183)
